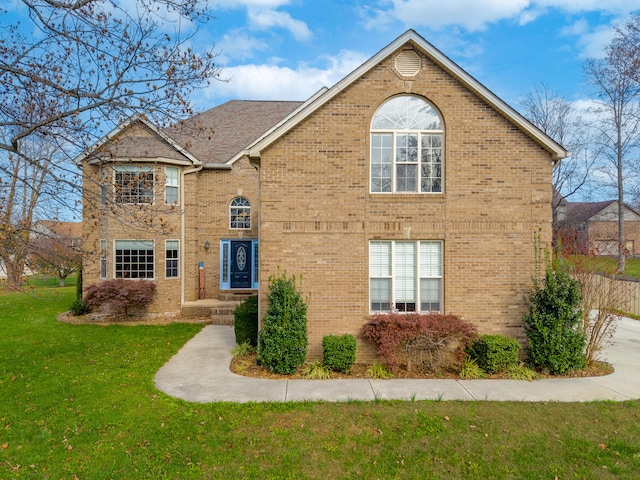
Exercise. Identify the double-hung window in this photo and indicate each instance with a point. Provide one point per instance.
(134, 259)
(407, 147)
(172, 257)
(171, 189)
(134, 184)
(405, 276)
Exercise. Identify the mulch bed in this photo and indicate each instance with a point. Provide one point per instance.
(248, 367)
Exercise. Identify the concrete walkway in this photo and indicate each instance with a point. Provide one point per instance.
(199, 372)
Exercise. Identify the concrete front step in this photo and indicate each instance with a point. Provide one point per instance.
(220, 312)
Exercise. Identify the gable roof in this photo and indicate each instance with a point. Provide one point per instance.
(410, 36)
(217, 135)
(59, 229)
(580, 212)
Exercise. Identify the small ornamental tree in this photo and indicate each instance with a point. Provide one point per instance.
(282, 342)
(553, 324)
(431, 342)
(121, 294)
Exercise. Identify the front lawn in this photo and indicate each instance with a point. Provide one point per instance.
(78, 401)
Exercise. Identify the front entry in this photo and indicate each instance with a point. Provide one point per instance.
(240, 264)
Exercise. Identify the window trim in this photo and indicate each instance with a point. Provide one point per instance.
(133, 242)
(103, 259)
(395, 133)
(233, 218)
(417, 275)
(169, 185)
(167, 259)
(141, 168)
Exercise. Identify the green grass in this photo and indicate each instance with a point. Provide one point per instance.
(78, 401)
(610, 264)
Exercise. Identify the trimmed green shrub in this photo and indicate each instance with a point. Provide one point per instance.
(79, 307)
(339, 352)
(282, 342)
(429, 342)
(245, 321)
(495, 353)
(556, 341)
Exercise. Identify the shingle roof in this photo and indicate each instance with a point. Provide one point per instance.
(578, 212)
(217, 135)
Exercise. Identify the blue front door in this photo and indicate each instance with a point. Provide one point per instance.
(241, 255)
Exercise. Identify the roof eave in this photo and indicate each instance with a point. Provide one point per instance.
(557, 151)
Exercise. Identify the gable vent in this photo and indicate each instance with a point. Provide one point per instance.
(408, 63)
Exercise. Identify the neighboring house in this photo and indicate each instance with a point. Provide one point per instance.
(69, 232)
(406, 186)
(593, 226)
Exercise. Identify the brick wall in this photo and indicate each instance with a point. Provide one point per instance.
(317, 215)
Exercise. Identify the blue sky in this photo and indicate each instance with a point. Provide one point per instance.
(288, 49)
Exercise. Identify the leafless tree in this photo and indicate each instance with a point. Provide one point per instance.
(559, 119)
(70, 71)
(615, 80)
(57, 255)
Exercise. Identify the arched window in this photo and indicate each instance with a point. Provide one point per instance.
(407, 147)
(240, 214)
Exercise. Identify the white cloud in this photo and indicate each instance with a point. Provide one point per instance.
(474, 15)
(267, 18)
(239, 46)
(273, 82)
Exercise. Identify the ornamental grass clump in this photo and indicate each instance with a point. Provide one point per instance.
(282, 342)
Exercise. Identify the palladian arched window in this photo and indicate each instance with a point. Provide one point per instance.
(407, 147)
(240, 214)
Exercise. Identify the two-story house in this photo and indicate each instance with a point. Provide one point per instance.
(407, 186)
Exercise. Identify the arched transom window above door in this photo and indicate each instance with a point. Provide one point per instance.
(240, 214)
(407, 147)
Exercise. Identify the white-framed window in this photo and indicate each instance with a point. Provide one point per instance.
(172, 258)
(133, 184)
(171, 188)
(103, 259)
(407, 147)
(134, 259)
(240, 214)
(405, 276)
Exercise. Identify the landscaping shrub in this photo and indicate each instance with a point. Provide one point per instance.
(339, 352)
(430, 342)
(121, 294)
(495, 353)
(282, 342)
(79, 307)
(245, 321)
(553, 324)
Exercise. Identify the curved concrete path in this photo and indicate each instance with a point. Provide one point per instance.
(199, 372)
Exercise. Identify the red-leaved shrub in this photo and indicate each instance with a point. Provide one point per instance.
(121, 294)
(430, 342)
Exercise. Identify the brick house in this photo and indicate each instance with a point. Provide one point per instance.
(406, 186)
(594, 226)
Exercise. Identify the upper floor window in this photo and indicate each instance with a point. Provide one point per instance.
(171, 189)
(240, 214)
(407, 147)
(134, 184)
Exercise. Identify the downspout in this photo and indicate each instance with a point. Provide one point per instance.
(182, 229)
(255, 163)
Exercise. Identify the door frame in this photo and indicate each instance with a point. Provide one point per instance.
(225, 262)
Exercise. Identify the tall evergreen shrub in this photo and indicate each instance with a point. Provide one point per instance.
(282, 342)
(556, 341)
(245, 321)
